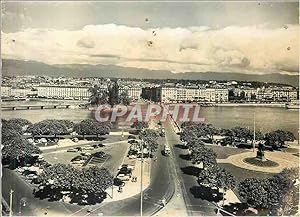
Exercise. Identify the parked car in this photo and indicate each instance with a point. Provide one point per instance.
(123, 177)
(79, 148)
(87, 147)
(79, 158)
(86, 154)
(75, 139)
(95, 146)
(132, 156)
(126, 166)
(72, 150)
(31, 176)
(131, 137)
(100, 154)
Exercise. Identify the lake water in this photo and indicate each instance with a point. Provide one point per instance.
(267, 119)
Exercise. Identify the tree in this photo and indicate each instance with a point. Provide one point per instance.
(98, 96)
(203, 154)
(18, 124)
(275, 194)
(69, 124)
(253, 192)
(111, 95)
(19, 151)
(48, 127)
(92, 127)
(149, 137)
(92, 181)
(139, 125)
(124, 98)
(277, 138)
(216, 177)
(9, 134)
(243, 133)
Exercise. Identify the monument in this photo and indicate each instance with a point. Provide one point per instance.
(260, 155)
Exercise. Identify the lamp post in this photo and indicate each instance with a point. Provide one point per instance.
(142, 153)
(254, 132)
(10, 202)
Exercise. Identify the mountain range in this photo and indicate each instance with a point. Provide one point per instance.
(12, 67)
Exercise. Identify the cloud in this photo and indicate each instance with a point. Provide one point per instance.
(251, 49)
(85, 43)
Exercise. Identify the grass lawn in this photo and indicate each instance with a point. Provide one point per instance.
(224, 152)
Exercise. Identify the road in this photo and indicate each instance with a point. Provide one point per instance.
(189, 185)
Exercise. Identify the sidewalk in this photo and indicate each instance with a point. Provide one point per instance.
(175, 207)
(132, 188)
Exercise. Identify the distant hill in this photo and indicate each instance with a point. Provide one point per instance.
(18, 67)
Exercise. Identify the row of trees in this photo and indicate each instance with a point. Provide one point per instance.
(277, 195)
(86, 185)
(64, 127)
(275, 138)
(211, 175)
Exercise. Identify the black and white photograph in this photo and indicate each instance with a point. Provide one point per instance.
(149, 108)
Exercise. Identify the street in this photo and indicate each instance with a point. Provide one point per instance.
(194, 205)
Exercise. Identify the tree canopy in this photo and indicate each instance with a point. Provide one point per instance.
(92, 127)
(91, 181)
(150, 137)
(48, 127)
(275, 194)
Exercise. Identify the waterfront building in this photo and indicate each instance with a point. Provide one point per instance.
(63, 92)
(133, 92)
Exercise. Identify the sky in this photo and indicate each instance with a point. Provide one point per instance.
(245, 37)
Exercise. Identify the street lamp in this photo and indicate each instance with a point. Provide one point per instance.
(10, 202)
(142, 153)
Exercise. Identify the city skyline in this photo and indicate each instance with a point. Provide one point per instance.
(149, 35)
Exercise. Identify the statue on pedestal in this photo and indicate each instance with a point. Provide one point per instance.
(260, 155)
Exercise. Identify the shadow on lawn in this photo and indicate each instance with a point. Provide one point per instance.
(181, 146)
(185, 157)
(206, 193)
(191, 170)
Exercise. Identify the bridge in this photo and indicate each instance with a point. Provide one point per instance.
(35, 107)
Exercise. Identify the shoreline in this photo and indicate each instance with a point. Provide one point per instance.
(272, 105)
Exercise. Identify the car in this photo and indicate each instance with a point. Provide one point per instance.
(95, 146)
(79, 148)
(78, 162)
(75, 139)
(31, 176)
(72, 150)
(132, 156)
(88, 148)
(123, 177)
(79, 158)
(100, 154)
(131, 137)
(86, 154)
(100, 145)
(20, 170)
